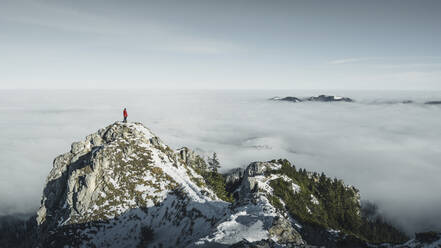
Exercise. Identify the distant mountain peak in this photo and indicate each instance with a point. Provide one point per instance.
(320, 98)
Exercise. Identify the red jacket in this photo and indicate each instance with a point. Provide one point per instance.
(125, 113)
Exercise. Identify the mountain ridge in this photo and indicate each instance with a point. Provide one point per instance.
(123, 187)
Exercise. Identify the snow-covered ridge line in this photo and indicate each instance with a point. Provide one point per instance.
(124, 172)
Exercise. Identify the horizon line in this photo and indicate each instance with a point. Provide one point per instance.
(209, 89)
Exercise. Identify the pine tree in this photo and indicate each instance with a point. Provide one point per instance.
(200, 163)
(213, 163)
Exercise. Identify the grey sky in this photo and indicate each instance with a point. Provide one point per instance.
(220, 44)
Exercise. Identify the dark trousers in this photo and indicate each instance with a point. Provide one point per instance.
(125, 119)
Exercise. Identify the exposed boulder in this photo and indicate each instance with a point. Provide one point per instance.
(233, 179)
(284, 232)
(234, 176)
(186, 155)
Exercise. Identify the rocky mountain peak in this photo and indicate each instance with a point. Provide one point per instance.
(123, 179)
(123, 169)
(73, 182)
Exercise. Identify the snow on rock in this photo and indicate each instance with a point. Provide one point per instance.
(314, 200)
(239, 226)
(253, 217)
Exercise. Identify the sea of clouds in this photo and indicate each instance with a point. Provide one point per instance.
(390, 151)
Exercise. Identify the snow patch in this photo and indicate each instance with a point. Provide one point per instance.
(240, 226)
(314, 200)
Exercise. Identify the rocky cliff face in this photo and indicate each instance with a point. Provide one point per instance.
(119, 184)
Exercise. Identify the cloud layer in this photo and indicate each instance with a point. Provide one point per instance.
(389, 151)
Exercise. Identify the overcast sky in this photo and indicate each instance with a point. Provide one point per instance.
(391, 44)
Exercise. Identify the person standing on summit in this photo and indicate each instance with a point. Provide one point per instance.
(125, 115)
